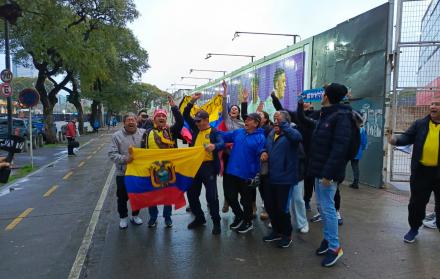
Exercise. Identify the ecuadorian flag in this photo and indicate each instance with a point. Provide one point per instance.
(161, 176)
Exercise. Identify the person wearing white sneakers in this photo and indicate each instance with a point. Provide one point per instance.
(128, 136)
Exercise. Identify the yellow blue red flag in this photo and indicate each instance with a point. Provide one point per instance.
(161, 176)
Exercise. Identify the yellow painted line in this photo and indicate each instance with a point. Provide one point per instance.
(17, 220)
(69, 174)
(94, 152)
(89, 157)
(81, 164)
(50, 191)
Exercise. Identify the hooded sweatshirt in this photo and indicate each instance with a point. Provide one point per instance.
(121, 141)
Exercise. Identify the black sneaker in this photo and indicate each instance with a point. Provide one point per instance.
(323, 248)
(152, 223)
(285, 242)
(236, 224)
(354, 186)
(272, 237)
(245, 227)
(331, 257)
(216, 229)
(196, 223)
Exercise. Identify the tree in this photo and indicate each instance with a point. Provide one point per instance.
(58, 37)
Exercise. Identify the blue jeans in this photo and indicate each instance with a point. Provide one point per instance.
(154, 211)
(298, 205)
(325, 196)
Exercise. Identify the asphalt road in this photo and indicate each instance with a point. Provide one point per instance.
(62, 223)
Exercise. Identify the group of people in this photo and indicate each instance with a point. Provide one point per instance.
(296, 152)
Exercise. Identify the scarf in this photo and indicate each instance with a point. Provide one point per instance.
(164, 140)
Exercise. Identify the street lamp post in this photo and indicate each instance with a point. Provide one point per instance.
(183, 84)
(237, 34)
(196, 78)
(211, 71)
(209, 55)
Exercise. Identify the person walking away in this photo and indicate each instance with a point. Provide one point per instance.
(425, 168)
(204, 135)
(162, 136)
(243, 166)
(282, 154)
(70, 135)
(329, 153)
(129, 135)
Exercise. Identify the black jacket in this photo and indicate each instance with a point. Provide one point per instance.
(330, 143)
(214, 137)
(416, 135)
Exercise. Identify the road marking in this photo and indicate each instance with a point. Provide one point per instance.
(50, 191)
(89, 157)
(17, 220)
(94, 152)
(69, 174)
(77, 266)
(81, 164)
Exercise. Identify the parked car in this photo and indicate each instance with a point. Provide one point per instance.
(20, 128)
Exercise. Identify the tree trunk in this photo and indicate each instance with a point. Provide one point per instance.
(75, 99)
(47, 108)
(94, 114)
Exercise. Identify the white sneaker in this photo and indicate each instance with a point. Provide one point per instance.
(123, 223)
(430, 224)
(135, 220)
(269, 225)
(304, 229)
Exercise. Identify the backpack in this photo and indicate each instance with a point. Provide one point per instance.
(355, 137)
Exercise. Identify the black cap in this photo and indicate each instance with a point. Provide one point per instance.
(335, 92)
(201, 114)
(255, 116)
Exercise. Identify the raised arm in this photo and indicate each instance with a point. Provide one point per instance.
(187, 111)
(178, 118)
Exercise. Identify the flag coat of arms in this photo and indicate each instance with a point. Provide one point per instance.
(161, 176)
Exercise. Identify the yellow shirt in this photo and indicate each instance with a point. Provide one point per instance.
(430, 148)
(151, 142)
(202, 140)
(275, 136)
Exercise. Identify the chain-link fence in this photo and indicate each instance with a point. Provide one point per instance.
(416, 72)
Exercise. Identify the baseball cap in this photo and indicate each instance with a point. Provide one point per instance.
(201, 114)
(255, 116)
(335, 92)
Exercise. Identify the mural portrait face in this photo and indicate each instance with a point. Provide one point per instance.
(255, 85)
(279, 82)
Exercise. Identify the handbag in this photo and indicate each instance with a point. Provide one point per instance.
(74, 144)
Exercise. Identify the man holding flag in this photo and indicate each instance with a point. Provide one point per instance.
(204, 135)
(162, 136)
(128, 136)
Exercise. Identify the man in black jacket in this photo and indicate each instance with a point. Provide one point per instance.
(328, 157)
(204, 135)
(425, 168)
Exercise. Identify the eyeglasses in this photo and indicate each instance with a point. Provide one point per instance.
(144, 116)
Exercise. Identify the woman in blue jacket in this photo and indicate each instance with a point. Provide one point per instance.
(282, 154)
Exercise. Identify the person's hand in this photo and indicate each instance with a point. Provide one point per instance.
(225, 88)
(210, 147)
(196, 96)
(264, 157)
(273, 93)
(307, 106)
(260, 107)
(245, 95)
(129, 159)
(325, 182)
(171, 101)
(4, 165)
(2, 159)
(390, 138)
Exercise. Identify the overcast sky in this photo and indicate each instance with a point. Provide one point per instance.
(178, 34)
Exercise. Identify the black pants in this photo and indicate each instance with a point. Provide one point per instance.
(355, 168)
(121, 194)
(309, 183)
(337, 199)
(70, 141)
(422, 183)
(264, 180)
(206, 176)
(277, 198)
(234, 186)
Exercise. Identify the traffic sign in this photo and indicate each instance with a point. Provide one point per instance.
(6, 75)
(29, 97)
(6, 89)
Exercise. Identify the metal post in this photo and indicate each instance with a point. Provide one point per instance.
(31, 151)
(8, 66)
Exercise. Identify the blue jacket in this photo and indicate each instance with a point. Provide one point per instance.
(214, 137)
(330, 143)
(283, 155)
(364, 142)
(244, 160)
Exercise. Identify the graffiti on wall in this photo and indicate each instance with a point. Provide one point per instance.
(373, 120)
